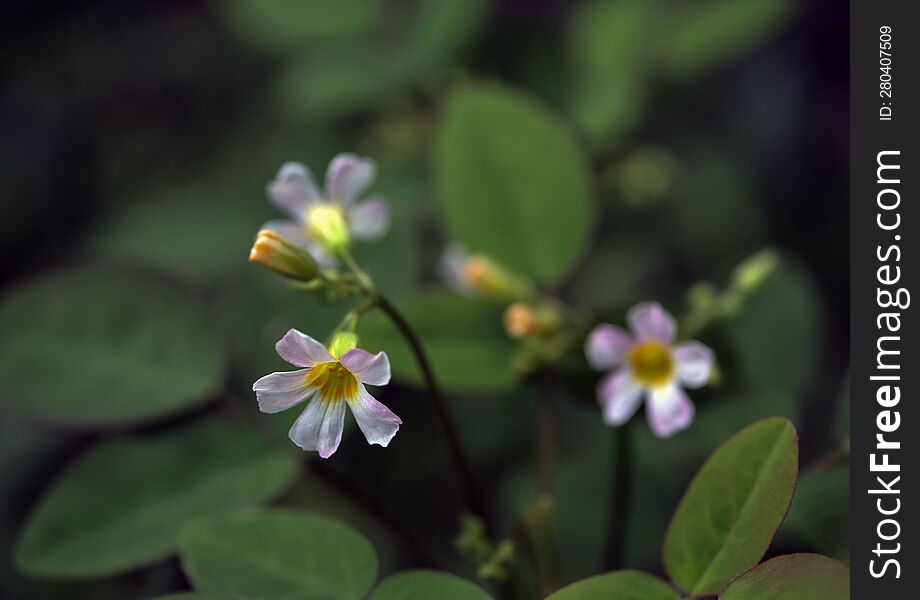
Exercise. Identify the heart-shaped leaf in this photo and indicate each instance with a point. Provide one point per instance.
(622, 585)
(511, 180)
(278, 555)
(120, 505)
(425, 585)
(92, 346)
(463, 339)
(733, 507)
(792, 577)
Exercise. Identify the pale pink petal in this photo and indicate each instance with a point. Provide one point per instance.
(370, 220)
(607, 346)
(619, 397)
(377, 422)
(292, 230)
(694, 364)
(372, 369)
(450, 268)
(301, 350)
(347, 176)
(293, 189)
(669, 410)
(319, 427)
(649, 321)
(280, 391)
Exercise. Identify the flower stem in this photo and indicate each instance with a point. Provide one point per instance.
(471, 490)
(615, 552)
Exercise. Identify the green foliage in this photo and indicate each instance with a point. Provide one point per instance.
(733, 507)
(196, 596)
(511, 181)
(704, 35)
(792, 577)
(427, 585)
(820, 513)
(94, 346)
(468, 350)
(622, 585)
(120, 505)
(278, 555)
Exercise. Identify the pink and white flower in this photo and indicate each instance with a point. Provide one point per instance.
(648, 364)
(323, 219)
(329, 383)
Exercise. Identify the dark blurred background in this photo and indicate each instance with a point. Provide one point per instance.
(138, 138)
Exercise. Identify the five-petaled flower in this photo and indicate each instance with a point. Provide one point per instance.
(647, 363)
(325, 221)
(330, 381)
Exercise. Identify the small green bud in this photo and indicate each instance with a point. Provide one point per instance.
(342, 342)
(279, 254)
(751, 274)
(326, 224)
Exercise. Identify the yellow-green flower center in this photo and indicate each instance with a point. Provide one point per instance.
(333, 381)
(652, 364)
(326, 224)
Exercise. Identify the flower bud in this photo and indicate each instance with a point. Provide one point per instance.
(326, 224)
(753, 272)
(489, 279)
(522, 320)
(342, 342)
(273, 250)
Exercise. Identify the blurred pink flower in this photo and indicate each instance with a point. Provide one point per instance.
(648, 364)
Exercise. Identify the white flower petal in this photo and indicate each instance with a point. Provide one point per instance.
(377, 422)
(649, 321)
(370, 220)
(280, 391)
(450, 268)
(619, 396)
(669, 410)
(372, 369)
(694, 364)
(293, 189)
(319, 427)
(607, 347)
(347, 176)
(301, 350)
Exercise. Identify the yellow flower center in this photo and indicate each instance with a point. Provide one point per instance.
(333, 381)
(652, 363)
(326, 224)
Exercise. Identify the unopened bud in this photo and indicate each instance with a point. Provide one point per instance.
(273, 250)
(342, 342)
(326, 224)
(751, 274)
(522, 320)
(489, 279)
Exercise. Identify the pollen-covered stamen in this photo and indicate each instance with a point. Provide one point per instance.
(333, 381)
(652, 363)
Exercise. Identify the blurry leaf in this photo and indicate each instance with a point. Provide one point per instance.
(91, 346)
(463, 338)
(512, 182)
(616, 271)
(733, 507)
(777, 330)
(196, 596)
(609, 49)
(622, 585)
(820, 513)
(792, 577)
(702, 35)
(282, 25)
(427, 585)
(278, 555)
(120, 505)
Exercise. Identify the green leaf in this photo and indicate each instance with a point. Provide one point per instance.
(733, 507)
(120, 505)
(820, 513)
(792, 577)
(463, 338)
(281, 25)
(426, 585)
(511, 181)
(278, 555)
(622, 585)
(703, 35)
(90, 346)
